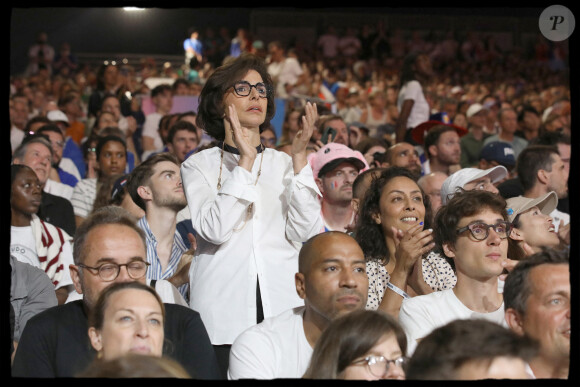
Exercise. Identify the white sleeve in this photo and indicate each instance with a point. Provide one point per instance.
(252, 357)
(304, 220)
(169, 293)
(150, 127)
(412, 91)
(415, 322)
(215, 214)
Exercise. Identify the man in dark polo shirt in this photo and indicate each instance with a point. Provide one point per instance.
(55, 343)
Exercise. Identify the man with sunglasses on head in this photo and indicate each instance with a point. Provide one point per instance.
(108, 248)
(471, 231)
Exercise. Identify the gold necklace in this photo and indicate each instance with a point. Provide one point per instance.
(219, 184)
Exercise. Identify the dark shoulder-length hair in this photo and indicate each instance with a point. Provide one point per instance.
(349, 338)
(407, 69)
(211, 109)
(368, 233)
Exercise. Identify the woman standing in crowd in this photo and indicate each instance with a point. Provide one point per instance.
(365, 344)
(413, 107)
(251, 206)
(392, 233)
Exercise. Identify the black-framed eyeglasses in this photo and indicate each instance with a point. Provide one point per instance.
(480, 230)
(271, 141)
(110, 271)
(380, 365)
(244, 88)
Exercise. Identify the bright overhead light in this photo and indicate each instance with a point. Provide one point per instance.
(129, 9)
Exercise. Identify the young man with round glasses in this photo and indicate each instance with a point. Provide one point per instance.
(471, 230)
(109, 248)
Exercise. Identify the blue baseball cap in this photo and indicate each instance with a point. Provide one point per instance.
(499, 151)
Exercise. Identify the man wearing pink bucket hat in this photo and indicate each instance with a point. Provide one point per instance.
(335, 166)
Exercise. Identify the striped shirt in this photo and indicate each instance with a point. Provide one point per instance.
(83, 197)
(155, 271)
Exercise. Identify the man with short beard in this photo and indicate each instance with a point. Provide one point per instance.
(332, 281)
(443, 149)
(155, 186)
(335, 167)
(403, 154)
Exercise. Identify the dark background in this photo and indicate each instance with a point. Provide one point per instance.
(162, 30)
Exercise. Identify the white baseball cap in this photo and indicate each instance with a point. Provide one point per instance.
(57, 116)
(465, 175)
(474, 109)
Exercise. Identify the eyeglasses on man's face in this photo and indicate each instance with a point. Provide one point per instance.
(110, 271)
(480, 230)
(380, 365)
(244, 88)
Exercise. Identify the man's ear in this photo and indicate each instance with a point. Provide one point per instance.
(76, 278)
(514, 320)
(449, 250)
(144, 192)
(542, 176)
(300, 282)
(95, 338)
(432, 151)
(170, 147)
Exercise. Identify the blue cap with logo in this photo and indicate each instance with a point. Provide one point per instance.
(499, 151)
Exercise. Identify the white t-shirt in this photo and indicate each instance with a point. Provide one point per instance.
(23, 248)
(422, 314)
(420, 111)
(150, 129)
(275, 348)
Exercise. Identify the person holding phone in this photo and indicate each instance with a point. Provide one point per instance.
(333, 129)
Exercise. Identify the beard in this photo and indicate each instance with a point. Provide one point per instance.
(173, 203)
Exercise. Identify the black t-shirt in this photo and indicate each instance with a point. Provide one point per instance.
(55, 343)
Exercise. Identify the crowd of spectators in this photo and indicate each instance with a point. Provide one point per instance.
(438, 165)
